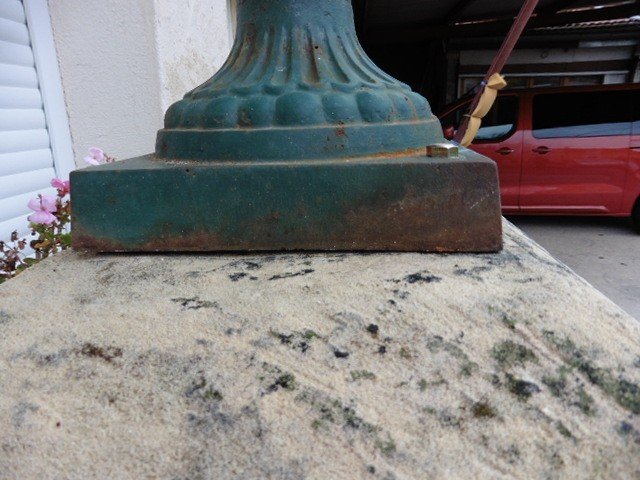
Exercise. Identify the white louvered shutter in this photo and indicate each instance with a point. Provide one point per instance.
(26, 159)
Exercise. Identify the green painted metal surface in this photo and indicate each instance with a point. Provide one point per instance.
(299, 142)
(297, 84)
(408, 204)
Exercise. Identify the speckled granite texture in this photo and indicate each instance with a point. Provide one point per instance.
(321, 366)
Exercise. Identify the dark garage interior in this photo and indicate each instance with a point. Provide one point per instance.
(442, 48)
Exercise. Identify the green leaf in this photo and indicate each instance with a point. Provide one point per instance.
(65, 239)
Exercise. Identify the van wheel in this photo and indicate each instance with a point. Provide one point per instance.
(635, 215)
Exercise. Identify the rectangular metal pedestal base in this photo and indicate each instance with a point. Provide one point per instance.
(400, 204)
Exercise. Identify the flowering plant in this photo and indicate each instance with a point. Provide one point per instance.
(98, 157)
(49, 225)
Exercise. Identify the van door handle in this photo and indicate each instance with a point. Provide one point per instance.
(504, 151)
(542, 150)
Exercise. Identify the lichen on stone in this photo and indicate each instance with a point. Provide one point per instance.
(201, 390)
(483, 410)
(386, 446)
(522, 389)
(626, 393)
(275, 378)
(362, 375)
(437, 344)
(332, 411)
(108, 353)
(564, 431)
(405, 353)
(194, 303)
(300, 341)
(422, 277)
(509, 354)
(244, 378)
(283, 276)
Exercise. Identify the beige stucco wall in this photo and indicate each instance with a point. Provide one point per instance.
(122, 63)
(193, 39)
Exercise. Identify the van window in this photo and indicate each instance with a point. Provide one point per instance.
(500, 122)
(587, 114)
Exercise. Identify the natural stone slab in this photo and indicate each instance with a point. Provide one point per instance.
(316, 366)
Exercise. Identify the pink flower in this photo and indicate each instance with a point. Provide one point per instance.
(96, 157)
(63, 186)
(44, 205)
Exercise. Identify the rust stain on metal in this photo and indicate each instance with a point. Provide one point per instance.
(409, 224)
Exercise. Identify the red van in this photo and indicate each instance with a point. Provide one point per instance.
(573, 150)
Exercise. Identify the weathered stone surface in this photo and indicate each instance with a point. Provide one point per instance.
(316, 366)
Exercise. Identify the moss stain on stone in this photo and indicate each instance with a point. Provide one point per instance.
(508, 322)
(437, 344)
(423, 384)
(373, 329)
(422, 277)
(522, 389)
(473, 272)
(286, 381)
(468, 368)
(310, 335)
(448, 419)
(430, 410)
(212, 395)
(626, 430)
(578, 397)
(286, 275)
(585, 402)
(296, 340)
(194, 303)
(108, 354)
(512, 453)
(387, 446)
(197, 390)
(276, 379)
(509, 354)
(333, 413)
(483, 410)
(362, 375)
(557, 384)
(405, 353)
(625, 393)
(340, 353)
(564, 431)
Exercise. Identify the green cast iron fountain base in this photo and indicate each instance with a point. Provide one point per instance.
(412, 203)
(299, 142)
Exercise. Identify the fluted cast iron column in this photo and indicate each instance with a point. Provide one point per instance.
(295, 76)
